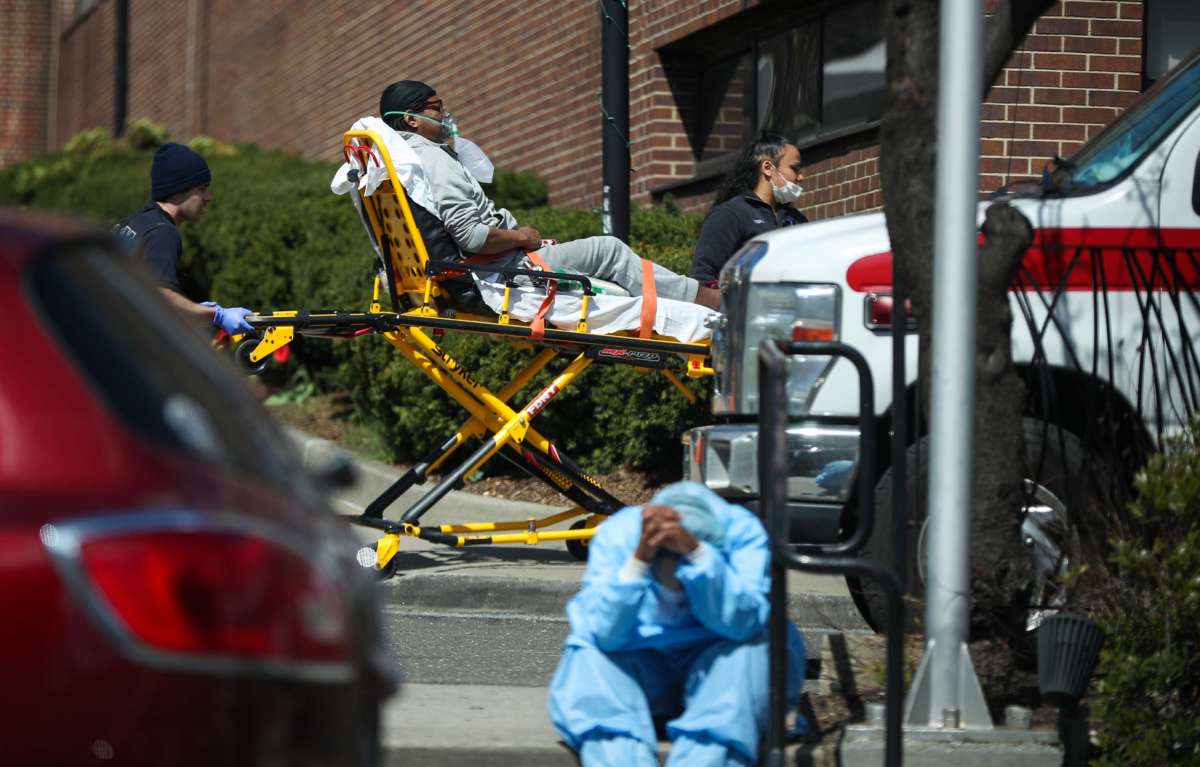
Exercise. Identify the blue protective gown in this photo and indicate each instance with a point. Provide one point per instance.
(638, 655)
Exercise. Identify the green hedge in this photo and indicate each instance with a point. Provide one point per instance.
(275, 237)
(1147, 709)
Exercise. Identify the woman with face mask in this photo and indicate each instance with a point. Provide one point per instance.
(756, 197)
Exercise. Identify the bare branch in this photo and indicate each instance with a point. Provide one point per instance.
(1007, 27)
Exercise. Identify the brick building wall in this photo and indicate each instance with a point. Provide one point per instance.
(524, 80)
(661, 151)
(521, 78)
(1077, 70)
(85, 72)
(24, 78)
(162, 39)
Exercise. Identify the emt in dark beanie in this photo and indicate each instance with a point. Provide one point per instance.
(179, 180)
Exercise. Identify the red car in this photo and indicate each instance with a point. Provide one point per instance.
(175, 590)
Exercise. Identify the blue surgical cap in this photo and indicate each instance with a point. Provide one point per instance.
(702, 510)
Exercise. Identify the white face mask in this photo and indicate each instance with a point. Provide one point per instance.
(789, 192)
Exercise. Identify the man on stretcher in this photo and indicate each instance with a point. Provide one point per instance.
(477, 227)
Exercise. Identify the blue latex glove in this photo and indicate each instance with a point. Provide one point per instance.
(231, 320)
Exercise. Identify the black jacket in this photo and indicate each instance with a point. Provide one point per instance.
(156, 238)
(729, 225)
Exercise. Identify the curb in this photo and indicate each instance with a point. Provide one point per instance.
(547, 598)
(796, 755)
(543, 596)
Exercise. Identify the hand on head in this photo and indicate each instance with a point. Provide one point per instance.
(662, 528)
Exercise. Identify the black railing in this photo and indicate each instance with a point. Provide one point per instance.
(833, 558)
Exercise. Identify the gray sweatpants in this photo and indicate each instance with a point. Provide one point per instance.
(607, 258)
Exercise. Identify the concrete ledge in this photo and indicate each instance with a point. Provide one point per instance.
(547, 596)
(553, 756)
(531, 579)
(496, 726)
(862, 746)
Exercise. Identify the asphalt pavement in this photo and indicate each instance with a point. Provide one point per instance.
(477, 632)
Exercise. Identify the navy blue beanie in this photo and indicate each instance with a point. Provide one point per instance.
(176, 169)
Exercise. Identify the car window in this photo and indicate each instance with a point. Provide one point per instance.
(1136, 132)
(150, 367)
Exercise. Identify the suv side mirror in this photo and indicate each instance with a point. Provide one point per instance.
(1196, 187)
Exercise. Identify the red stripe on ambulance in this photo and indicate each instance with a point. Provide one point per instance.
(1126, 259)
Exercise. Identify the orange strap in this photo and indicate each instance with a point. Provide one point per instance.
(649, 300)
(538, 326)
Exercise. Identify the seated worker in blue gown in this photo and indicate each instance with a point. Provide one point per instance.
(670, 627)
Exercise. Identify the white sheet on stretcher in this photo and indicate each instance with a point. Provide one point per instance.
(685, 321)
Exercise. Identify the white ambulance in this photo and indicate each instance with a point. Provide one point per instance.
(1106, 336)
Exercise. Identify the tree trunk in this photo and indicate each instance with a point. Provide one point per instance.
(907, 167)
(1000, 566)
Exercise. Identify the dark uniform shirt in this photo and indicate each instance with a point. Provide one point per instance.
(729, 225)
(156, 239)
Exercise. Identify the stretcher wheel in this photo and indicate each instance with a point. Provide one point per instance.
(367, 559)
(241, 355)
(387, 571)
(578, 548)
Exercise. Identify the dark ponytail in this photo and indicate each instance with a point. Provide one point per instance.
(743, 177)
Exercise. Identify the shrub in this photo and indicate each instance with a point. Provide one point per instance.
(1147, 709)
(276, 238)
(517, 189)
(88, 142)
(209, 146)
(144, 134)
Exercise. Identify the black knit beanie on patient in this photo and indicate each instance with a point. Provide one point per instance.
(176, 169)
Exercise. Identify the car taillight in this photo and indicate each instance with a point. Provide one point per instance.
(877, 311)
(186, 596)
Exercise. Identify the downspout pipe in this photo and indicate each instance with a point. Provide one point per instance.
(120, 66)
(614, 109)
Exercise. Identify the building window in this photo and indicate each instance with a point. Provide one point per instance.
(724, 112)
(1172, 28)
(809, 76)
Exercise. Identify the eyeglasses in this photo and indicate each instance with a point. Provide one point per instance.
(436, 106)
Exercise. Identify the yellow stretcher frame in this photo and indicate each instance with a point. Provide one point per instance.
(420, 310)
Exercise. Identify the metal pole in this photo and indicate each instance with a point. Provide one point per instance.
(120, 66)
(777, 666)
(614, 101)
(946, 693)
(900, 510)
(819, 558)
